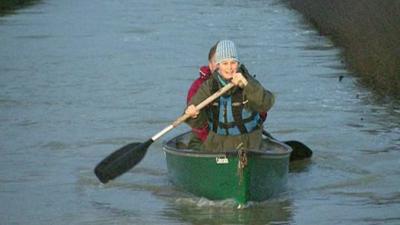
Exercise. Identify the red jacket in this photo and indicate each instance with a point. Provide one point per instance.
(204, 73)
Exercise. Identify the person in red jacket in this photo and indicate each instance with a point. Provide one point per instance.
(199, 135)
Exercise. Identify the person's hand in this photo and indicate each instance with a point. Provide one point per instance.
(239, 80)
(192, 111)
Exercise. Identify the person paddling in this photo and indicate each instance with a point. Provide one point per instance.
(233, 118)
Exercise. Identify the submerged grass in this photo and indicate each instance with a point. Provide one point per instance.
(368, 31)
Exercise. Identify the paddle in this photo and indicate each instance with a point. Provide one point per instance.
(300, 150)
(128, 156)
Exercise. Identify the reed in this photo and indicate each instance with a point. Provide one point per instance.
(369, 33)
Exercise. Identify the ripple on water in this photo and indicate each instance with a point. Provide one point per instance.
(197, 210)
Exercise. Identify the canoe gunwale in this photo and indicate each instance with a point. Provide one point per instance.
(168, 148)
(199, 154)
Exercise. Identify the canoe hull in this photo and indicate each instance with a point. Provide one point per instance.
(256, 176)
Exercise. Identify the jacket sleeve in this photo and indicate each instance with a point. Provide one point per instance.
(203, 93)
(259, 99)
(192, 90)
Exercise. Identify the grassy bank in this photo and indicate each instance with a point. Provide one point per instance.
(369, 32)
(7, 6)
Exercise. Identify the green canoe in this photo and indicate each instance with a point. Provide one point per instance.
(252, 175)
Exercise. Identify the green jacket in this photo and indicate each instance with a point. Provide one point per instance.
(257, 99)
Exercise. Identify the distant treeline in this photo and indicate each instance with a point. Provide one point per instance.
(369, 32)
(7, 6)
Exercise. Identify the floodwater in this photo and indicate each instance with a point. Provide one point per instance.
(79, 79)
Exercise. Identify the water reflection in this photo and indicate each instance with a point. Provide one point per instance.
(300, 166)
(9, 7)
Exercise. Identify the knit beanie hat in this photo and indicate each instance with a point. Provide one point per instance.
(226, 50)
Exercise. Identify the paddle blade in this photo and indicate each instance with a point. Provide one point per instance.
(121, 161)
(300, 150)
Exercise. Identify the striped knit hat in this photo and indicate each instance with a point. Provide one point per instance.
(226, 50)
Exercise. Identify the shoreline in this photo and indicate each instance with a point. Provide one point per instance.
(8, 6)
(368, 31)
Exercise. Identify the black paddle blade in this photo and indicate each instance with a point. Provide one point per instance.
(300, 150)
(121, 161)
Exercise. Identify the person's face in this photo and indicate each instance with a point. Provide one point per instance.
(228, 68)
(212, 64)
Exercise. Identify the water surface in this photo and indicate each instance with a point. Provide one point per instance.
(81, 79)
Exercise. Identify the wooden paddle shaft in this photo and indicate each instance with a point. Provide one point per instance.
(198, 107)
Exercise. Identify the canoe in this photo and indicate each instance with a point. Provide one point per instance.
(242, 175)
